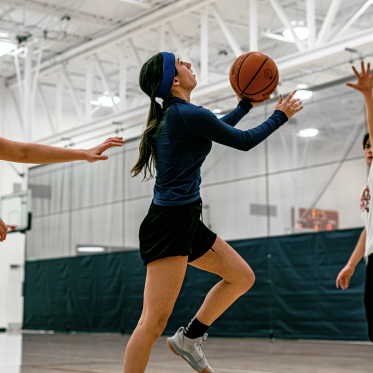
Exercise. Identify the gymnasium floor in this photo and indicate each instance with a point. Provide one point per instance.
(102, 353)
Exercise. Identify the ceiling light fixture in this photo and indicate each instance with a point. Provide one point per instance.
(308, 132)
(301, 86)
(302, 33)
(108, 101)
(303, 94)
(217, 111)
(6, 47)
(4, 35)
(90, 249)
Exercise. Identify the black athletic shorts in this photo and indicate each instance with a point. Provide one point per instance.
(174, 231)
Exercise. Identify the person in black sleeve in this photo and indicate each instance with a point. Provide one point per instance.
(177, 138)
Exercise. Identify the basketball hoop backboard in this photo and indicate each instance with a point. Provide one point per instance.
(15, 211)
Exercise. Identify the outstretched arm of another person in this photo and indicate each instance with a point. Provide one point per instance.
(343, 279)
(203, 123)
(3, 231)
(364, 85)
(14, 151)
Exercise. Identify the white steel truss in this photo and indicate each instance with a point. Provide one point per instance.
(111, 60)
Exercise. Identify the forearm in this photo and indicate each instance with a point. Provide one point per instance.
(38, 154)
(238, 113)
(359, 251)
(369, 112)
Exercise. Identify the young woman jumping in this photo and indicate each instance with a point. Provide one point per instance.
(175, 143)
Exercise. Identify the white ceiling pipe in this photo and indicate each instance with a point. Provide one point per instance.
(311, 22)
(227, 33)
(353, 19)
(152, 19)
(285, 21)
(328, 22)
(283, 63)
(253, 24)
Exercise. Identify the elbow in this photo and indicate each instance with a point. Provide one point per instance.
(246, 148)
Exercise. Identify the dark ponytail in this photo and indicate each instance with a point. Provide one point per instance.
(150, 79)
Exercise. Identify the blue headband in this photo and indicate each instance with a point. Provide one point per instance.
(168, 75)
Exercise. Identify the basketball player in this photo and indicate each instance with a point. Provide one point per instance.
(176, 140)
(20, 152)
(364, 246)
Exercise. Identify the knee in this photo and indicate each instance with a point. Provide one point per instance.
(244, 280)
(154, 325)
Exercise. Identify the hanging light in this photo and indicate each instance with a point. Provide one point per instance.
(308, 132)
(302, 33)
(6, 47)
(108, 101)
(90, 249)
(303, 94)
(4, 35)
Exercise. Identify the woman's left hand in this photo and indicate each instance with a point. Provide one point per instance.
(251, 102)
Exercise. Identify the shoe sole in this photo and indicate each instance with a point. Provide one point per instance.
(177, 354)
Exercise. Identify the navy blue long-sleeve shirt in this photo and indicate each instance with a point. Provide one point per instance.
(185, 139)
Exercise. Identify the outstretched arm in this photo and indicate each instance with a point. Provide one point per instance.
(343, 279)
(364, 85)
(14, 151)
(205, 124)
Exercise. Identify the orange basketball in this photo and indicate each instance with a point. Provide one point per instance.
(254, 76)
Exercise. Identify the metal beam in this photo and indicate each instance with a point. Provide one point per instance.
(204, 46)
(227, 33)
(253, 24)
(74, 99)
(88, 90)
(353, 19)
(59, 11)
(328, 21)
(283, 63)
(285, 21)
(105, 82)
(123, 77)
(180, 48)
(152, 19)
(138, 3)
(46, 109)
(162, 34)
(277, 37)
(311, 22)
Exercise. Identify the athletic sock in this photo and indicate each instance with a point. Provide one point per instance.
(195, 329)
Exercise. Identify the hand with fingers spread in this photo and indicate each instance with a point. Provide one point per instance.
(95, 154)
(364, 80)
(343, 279)
(290, 106)
(3, 231)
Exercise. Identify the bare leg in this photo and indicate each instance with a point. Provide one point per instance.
(163, 283)
(237, 276)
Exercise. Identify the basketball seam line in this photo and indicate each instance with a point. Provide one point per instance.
(239, 70)
(255, 74)
(251, 94)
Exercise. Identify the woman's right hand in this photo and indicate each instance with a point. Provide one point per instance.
(343, 279)
(3, 230)
(289, 106)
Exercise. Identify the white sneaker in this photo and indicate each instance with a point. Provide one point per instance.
(190, 350)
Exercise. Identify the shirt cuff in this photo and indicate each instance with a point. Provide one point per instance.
(246, 105)
(282, 115)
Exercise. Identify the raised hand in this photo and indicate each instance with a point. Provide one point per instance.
(95, 154)
(3, 230)
(364, 80)
(290, 106)
(343, 279)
